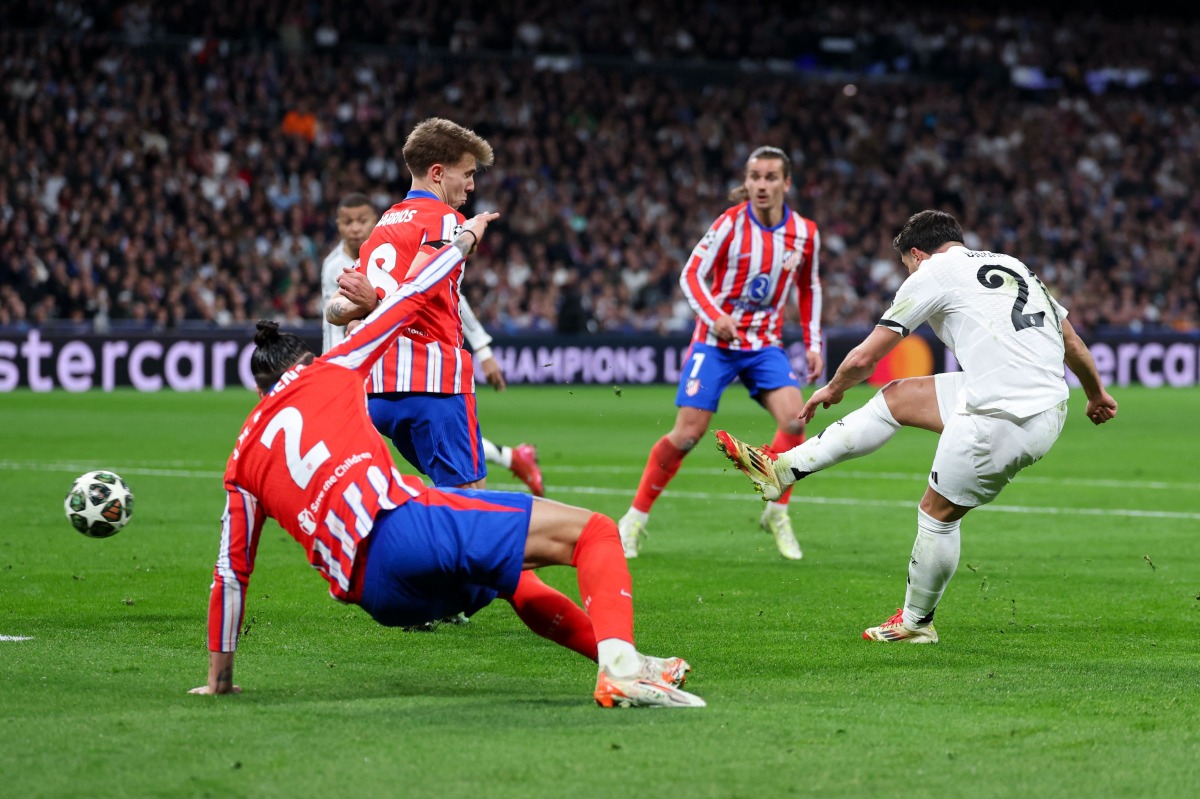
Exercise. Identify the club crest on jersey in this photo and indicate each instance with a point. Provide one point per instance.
(307, 522)
(793, 260)
(692, 388)
(758, 288)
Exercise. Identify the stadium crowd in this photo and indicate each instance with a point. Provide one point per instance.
(171, 164)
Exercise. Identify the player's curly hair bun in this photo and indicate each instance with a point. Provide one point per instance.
(275, 353)
(268, 331)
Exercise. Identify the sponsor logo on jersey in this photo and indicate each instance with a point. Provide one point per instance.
(758, 289)
(756, 296)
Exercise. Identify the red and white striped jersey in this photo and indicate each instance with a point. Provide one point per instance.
(748, 271)
(429, 356)
(309, 457)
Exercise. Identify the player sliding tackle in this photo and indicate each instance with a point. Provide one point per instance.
(309, 457)
(1002, 413)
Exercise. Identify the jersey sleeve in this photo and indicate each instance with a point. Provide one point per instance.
(808, 281)
(370, 340)
(694, 279)
(241, 524)
(918, 298)
(473, 331)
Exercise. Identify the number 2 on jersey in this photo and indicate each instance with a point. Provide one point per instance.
(1020, 319)
(301, 467)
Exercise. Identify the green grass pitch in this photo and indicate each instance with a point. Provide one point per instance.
(1068, 664)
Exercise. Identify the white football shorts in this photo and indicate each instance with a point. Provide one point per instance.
(977, 456)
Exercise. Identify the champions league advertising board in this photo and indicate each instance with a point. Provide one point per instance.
(51, 361)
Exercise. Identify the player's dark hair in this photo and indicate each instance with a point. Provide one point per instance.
(355, 200)
(927, 230)
(275, 353)
(440, 141)
(738, 193)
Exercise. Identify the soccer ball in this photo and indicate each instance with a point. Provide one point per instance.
(99, 504)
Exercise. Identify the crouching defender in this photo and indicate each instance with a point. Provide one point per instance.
(1002, 413)
(309, 457)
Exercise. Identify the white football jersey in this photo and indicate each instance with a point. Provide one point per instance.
(335, 263)
(999, 321)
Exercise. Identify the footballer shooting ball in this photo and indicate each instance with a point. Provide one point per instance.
(99, 504)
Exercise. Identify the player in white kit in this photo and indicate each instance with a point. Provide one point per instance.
(1002, 413)
(356, 218)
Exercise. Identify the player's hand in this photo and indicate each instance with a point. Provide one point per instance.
(823, 396)
(355, 287)
(477, 225)
(494, 374)
(725, 328)
(1102, 408)
(206, 691)
(816, 364)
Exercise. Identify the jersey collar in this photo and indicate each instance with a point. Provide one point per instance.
(428, 195)
(787, 213)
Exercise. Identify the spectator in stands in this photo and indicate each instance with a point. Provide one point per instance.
(131, 162)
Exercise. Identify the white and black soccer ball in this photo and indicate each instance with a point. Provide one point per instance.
(99, 504)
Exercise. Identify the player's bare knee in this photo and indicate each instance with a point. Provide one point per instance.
(687, 438)
(793, 427)
(893, 387)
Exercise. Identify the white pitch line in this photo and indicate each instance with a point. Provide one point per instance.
(14, 466)
(16, 637)
(885, 503)
(848, 474)
(698, 495)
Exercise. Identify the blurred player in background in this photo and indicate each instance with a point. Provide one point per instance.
(738, 279)
(309, 457)
(1000, 414)
(423, 392)
(355, 219)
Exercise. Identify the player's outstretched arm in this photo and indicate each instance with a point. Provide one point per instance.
(858, 365)
(220, 675)
(1101, 407)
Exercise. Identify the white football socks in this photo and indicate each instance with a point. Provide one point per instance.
(619, 658)
(494, 454)
(934, 558)
(856, 434)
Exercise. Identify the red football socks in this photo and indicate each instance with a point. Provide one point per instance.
(661, 466)
(604, 582)
(782, 443)
(551, 614)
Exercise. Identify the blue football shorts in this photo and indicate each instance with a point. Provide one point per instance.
(445, 552)
(437, 433)
(709, 370)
